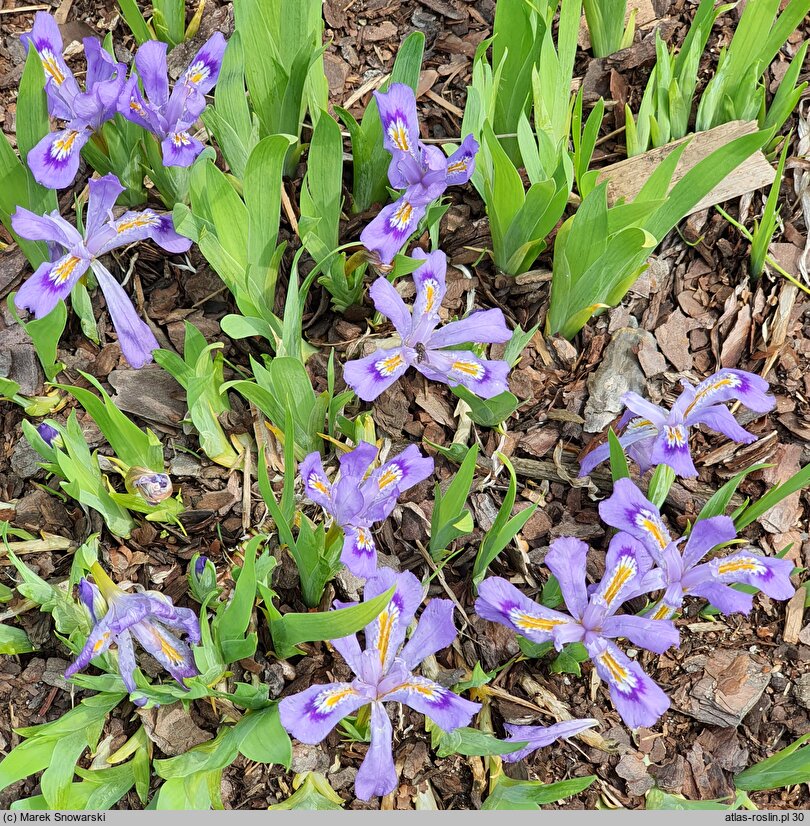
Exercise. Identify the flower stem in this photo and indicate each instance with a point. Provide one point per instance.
(107, 587)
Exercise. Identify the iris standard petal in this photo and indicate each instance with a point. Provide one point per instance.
(444, 707)
(355, 463)
(499, 601)
(50, 284)
(484, 377)
(705, 535)
(434, 631)
(311, 714)
(50, 227)
(150, 60)
(348, 502)
(389, 302)
(134, 107)
(374, 374)
(482, 327)
(136, 340)
(104, 193)
(639, 700)
(669, 605)
(537, 737)
(566, 560)
(101, 65)
(377, 775)
(653, 413)
(349, 648)
(638, 432)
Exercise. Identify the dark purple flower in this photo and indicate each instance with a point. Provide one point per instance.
(539, 737)
(170, 116)
(359, 498)
(680, 574)
(73, 255)
(653, 435)
(54, 161)
(422, 171)
(383, 674)
(48, 433)
(592, 620)
(423, 344)
(148, 616)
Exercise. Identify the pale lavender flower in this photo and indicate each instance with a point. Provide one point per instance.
(592, 620)
(653, 435)
(422, 171)
(383, 674)
(170, 116)
(680, 574)
(423, 344)
(359, 498)
(73, 254)
(149, 617)
(54, 161)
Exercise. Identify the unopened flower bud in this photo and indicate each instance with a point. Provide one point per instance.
(48, 433)
(202, 577)
(152, 486)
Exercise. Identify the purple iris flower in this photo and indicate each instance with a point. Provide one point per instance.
(149, 617)
(54, 161)
(653, 435)
(72, 255)
(681, 574)
(422, 344)
(383, 674)
(170, 116)
(359, 498)
(538, 737)
(592, 620)
(422, 171)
